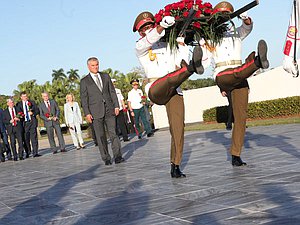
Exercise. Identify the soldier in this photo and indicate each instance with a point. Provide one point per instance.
(231, 75)
(166, 70)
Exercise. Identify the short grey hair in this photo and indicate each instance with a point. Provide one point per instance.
(92, 59)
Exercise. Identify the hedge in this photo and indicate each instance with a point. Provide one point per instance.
(259, 110)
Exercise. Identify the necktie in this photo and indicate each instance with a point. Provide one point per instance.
(13, 116)
(98, 82)
(48, 106)
(26, 112)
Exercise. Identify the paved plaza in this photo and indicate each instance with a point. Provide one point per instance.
(77, 188)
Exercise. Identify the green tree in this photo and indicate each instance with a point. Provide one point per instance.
(58, 74)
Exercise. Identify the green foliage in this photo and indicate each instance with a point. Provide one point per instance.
(259, 110)
(200, 83)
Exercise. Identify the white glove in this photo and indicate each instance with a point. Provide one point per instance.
(289, 66)
(244, 15)
(180, 39)
(167, 21)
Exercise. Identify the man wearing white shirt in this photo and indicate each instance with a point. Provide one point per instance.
(137, 110)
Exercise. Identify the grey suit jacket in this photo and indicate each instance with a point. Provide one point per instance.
(95, 102)
(54, 111)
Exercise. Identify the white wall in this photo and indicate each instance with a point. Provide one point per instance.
(273, 84)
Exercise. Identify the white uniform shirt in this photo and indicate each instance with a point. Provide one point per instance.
(165, 61)
(229, 49)
(120, 97)
(135, 98)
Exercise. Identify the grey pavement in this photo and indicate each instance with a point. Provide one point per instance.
(77, 188)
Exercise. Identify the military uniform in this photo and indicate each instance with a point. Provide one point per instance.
(166, 70)
(231, 76)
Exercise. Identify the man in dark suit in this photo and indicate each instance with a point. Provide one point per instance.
(30, 124)
(100, 105)
(3, 132)
(49, 113)
(12, 119)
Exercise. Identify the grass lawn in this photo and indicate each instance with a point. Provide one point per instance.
(250, 123)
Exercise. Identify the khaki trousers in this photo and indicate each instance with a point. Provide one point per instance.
(163, 92)
(235, 80)
(175, 112)
(239, 106)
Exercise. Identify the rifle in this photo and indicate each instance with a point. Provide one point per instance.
(224, 19)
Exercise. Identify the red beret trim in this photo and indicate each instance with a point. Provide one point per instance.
(221, 10)
(142, 22)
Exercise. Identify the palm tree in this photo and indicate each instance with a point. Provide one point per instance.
(73, 75)
(58, 74)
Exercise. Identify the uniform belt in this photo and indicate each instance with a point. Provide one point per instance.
(229, 63)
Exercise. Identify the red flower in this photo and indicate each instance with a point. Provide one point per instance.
(198, 2)
(189, 5)
(207, 5)
(198, 14)
(196, 24)
(29, 104)
(158, 18)
(20, 115)
(143, 97)
(167, 13)
(168, 7)
(207, 11)
(177, 17)
(47, 115)
(185, 14)
(181, 5)
(125, 110)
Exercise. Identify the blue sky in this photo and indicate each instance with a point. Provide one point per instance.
(39, 36)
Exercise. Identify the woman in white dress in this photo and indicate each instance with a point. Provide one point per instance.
(73, 120)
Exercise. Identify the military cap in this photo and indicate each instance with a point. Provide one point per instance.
(134, 81)
(223, 7)
(143, 19)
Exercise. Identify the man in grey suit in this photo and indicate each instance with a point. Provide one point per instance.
(49, 112)
(100, 106)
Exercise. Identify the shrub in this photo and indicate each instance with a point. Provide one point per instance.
(259, 110)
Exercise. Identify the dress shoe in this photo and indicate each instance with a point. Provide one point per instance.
(261, 60)
(140, 137)
(21, 158)
(27, 155)
(237, 161)
(119, 160)
(196, 62)
(78, 148)
(63, 150)
(37, 155)
(176, 172)
(125, 140)
(229, 126)
(15, 159)
(107, 162)
(150, 134)
(55, 152)
(2, 159)
(82, 146)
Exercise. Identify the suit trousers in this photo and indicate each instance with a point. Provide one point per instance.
(31, 136)
(50, 132)
(164, 88)
(175, 112)
(16, 134)
(109, 121)
(6, 143)
(120, 122)
(140, 114)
